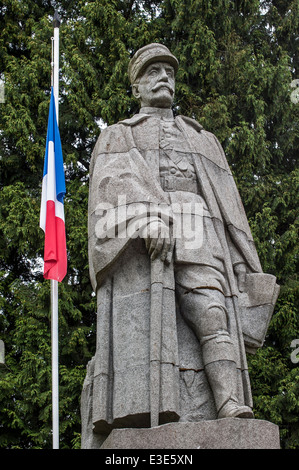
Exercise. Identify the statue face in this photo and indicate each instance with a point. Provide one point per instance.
(156, 86)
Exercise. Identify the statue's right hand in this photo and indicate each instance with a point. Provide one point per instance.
(158, 241)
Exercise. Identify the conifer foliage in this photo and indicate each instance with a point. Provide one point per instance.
(238, 77)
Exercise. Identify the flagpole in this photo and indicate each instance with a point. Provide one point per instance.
(55, 366)
(54, 284)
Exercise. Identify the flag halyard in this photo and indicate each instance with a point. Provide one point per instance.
(52, 202)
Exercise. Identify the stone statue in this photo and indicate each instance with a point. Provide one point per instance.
(180, 290)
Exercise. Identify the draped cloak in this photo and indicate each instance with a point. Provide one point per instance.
(124, 182)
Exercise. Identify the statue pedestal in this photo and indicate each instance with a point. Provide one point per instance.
(227, 433)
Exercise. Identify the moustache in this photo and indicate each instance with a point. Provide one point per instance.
(163, 85)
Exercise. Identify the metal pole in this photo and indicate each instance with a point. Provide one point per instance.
(56, 24)
(55, 362)
(54, 284)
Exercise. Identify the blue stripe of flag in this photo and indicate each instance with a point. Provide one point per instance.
(54, 136)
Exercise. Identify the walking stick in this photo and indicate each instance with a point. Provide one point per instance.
(157, 268)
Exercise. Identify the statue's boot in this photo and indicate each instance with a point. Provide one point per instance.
(222, 377)
(221, 373)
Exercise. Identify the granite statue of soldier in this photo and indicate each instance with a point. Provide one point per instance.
(150, 175)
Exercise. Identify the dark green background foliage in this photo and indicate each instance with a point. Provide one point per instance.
(237, 62)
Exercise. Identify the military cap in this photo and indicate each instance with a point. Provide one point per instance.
(148, 54)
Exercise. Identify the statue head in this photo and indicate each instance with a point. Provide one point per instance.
(152, 74)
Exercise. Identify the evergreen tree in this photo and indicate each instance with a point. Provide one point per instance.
(238, 60)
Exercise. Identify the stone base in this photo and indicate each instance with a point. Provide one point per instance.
(227, 433)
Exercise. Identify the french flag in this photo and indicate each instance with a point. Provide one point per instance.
(52, 208)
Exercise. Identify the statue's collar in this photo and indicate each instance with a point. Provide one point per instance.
(165, 113)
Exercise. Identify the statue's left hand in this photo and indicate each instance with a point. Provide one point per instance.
(240, 271)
